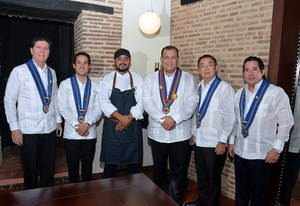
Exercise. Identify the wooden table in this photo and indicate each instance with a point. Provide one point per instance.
(134, 190)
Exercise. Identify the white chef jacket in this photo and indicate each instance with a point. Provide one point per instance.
(122, 83)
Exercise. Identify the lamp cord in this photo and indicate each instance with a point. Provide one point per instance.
(151, 6)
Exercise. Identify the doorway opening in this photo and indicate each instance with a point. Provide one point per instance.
(15, 40)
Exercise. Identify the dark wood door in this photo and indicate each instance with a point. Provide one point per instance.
(282, 71)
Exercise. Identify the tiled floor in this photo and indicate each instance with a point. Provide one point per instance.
(11, 167)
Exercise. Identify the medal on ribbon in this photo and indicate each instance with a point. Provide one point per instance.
(166, 110)
(81, 107)
(46, 108)
(247, 121)
(45, 96)
(201, 110)
(167, 99)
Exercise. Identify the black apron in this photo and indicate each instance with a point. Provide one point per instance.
(122, 147)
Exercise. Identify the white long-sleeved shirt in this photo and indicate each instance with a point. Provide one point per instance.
(67, 108)
(181, 110)
(122, 83)
(294, 146)
(23, 105)
(219, 120)
(271, 125)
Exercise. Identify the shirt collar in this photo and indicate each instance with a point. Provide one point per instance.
(39, 68)
(257, 85)
(78, 81)
(122, 75)
(209, 83)
(169, 76)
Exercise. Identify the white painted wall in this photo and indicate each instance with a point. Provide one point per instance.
(145, 51)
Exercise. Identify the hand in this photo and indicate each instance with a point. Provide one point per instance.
(231, 150)
(168, 122)
(82, 129)
(220, 148)
(17, 137)
(124, 122)
(272, 156)
(192, 140)
(59, 130)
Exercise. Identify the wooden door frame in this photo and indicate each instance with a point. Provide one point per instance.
(283, 49)
(282, 70)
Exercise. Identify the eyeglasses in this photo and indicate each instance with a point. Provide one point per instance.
(210, 65)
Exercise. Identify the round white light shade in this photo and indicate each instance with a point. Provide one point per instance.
(149, 23)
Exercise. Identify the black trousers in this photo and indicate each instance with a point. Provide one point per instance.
(178, 154)
(38, 158)
(251, 181)
(289, 177)
(110, 170)
(209, 167)
(80, 151)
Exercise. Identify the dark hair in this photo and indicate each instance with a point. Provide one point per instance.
(169, 48)
(82, 54)
(35, 39)
(208, 56)
(260, 63)
(122, 51)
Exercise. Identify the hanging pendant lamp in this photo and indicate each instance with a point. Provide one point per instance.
(149, 22)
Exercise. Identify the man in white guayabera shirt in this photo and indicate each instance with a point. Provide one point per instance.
(170, 98)
(264, 120)
(79, 105)
(213, 123)
(31, 110)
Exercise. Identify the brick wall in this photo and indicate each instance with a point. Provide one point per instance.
(230, 30)
(99, 35)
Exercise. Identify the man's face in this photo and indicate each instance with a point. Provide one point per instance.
(252, 74)
(169, 60)
(207, 68)
(40, 52)
(122, 63)
(81, 66)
